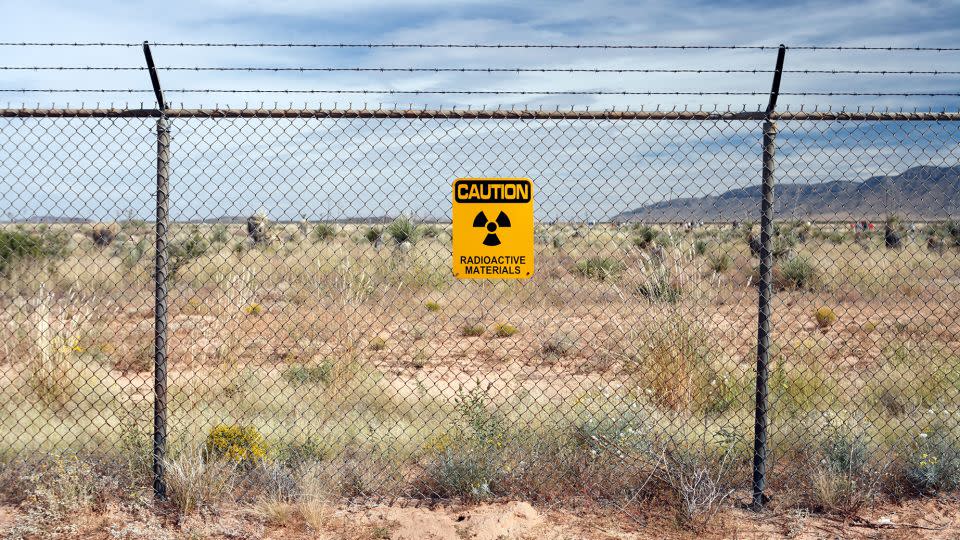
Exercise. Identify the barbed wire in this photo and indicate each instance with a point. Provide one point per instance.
(481, 70)
(485, 46)
(466, 92)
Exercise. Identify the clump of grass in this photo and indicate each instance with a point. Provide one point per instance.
(473, 329)
(253, 309)
(59, 372)
(601, 268)
(796, 273)
(321, 373)
(404, 230)
(195, 483)
(676, 367)
(721, 262)
(432, 306)
(323, 232)
(700, 246)
(378, 344)
(914, 378)
(799, 389)
(503, 330)
(241, 445)
(700, 479)
(825, 317)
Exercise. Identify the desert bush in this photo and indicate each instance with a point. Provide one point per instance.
(560, 344)
(241, 445)
(378, 344)
(504, 330)
(258, 228)
(103, 235)
(825, 317)
(17, 245)
(799, 389)
(195, 482)
(323, 232)
(932, 462)
(52, 490)
(219, 234)
(700, 478)
(601, 268)
(300, 454)
(253, 309)
(403, 229)
(373, 234)
(912, 378)
(843, 475)
(645, 236)
(321, 373)
(470, 463)
(184, 250)
(432, 306)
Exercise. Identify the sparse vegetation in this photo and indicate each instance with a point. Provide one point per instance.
(825, 317)
(503, 330)
(601, 268)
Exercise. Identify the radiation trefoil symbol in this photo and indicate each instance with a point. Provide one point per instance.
(491, 226)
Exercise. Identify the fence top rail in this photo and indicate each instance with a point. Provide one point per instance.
(485, 114)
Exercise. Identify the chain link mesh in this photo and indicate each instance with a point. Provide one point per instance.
(314, 321)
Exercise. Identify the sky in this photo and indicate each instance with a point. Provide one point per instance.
(332, 170)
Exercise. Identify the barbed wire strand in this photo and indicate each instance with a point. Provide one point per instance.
(482, 70)
(485, 46)
(466, 92)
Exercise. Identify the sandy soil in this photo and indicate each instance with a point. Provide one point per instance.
(922, 519)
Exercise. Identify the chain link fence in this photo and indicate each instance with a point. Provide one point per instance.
(312, 323)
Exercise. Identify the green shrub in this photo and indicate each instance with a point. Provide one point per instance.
(373, 234)
(323, 232)
(933, 462)
(296, 455)
(220, 234)
(845, 476)
(601, 268)
(15, 245)
(309, 374)
(432, 306)
(183, 251)
(645, 236)
(243, 445)
(404, 229)
(470, 463)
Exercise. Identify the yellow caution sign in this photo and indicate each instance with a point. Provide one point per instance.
(492, 228)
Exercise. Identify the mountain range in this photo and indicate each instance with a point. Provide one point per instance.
(920, 193)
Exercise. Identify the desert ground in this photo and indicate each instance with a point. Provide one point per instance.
(335, 379)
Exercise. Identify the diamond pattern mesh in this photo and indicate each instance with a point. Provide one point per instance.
(311, 296)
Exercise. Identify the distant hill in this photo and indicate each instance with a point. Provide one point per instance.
(920, 193)
(51, 219)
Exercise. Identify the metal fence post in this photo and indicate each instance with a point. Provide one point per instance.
(765, 294)
(160, 282)
(160, 314)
